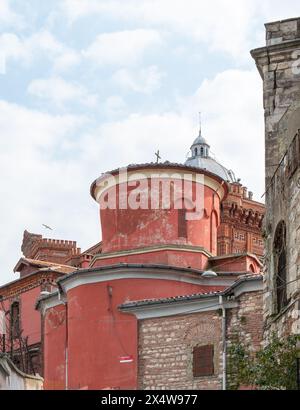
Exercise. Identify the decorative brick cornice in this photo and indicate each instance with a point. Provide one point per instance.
(242, 216)
(27, 283)
(36, 247)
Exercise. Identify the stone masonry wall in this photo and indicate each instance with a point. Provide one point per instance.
(166, 351)
(166, 344)
(245, 327)
(246, 321)
(279, 66)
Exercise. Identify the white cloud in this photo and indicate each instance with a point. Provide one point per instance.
(66, 59)
(36, 184)
(8, 17)
(136, 138)
(123, 47)
(75, 9)
(32, 127)
(11, 48)
(115, 106)
(223, 25)
(40, 44)
(232, 123)
(145, 80)
(58, 91)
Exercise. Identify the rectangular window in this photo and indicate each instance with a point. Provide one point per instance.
(293, 156)
(182, 225)
(15, 320)
(203, 361)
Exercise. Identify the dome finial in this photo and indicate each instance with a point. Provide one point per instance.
(200, 123)
(200, 147)
(200, 157)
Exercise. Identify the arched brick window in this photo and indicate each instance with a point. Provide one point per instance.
(280, 266)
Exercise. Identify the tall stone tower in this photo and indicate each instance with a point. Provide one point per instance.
(279, 65)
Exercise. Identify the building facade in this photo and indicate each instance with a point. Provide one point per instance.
(39, 269)
(63, 316)
(168, 231)
(240, 230)
(151, 249)
(279, 65)
(180, 348)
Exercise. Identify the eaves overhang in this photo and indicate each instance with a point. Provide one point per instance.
(188, 304)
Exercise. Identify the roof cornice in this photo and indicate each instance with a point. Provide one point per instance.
(183, 305)
(161, 166)
(149, 249)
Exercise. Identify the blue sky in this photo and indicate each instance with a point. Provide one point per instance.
(90, 85)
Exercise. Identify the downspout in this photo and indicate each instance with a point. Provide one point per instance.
(224, 345)
(66, 343)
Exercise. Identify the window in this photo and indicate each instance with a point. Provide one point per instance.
(15, 320)
(202, 152)
(203, 361)
(294, 155)
(182, 224)
(196, 152)
(280, 266)
(213, 232)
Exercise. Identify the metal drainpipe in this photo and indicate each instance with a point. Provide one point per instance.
(66, 345)
(224, 344)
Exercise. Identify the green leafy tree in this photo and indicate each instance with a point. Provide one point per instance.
(272, 368)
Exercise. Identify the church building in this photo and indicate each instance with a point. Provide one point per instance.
(156, 303)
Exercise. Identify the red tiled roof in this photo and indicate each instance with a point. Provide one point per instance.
(45, 264)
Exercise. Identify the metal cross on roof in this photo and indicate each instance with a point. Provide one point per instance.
(158, 157)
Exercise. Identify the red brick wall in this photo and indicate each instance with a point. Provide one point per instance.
(27, 291)
(241, 223)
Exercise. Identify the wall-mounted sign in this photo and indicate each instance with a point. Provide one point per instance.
(126, 359)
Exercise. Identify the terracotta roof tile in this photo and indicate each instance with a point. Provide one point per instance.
(58, 267)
